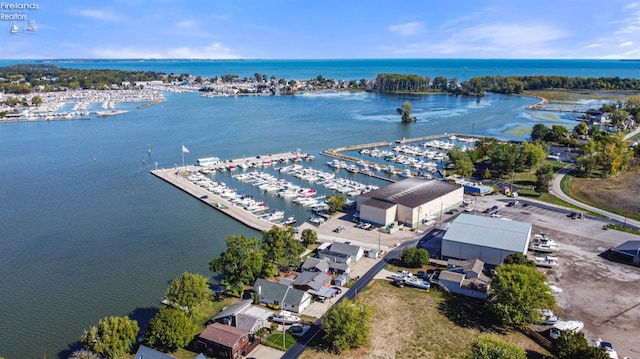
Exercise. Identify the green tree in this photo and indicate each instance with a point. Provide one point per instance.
(415, 257)
(519, 258)
(539, 132)
(517, 294)
(347, 325)
(581, 129)
(544, 175)
(113, 337)
(188, 291)
(573, 345)
(81, 354)
(36, 100)
(308, 237)
(240, 264)
(464, 167)
(486, 174)
(169, 330)
(618, 116)
(280, 247)
(336, 202)
(533, 154)
(486, 347)
(405, 112)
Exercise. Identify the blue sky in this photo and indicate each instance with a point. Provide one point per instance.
(327, 29)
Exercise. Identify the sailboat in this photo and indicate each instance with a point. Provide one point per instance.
(13, 29)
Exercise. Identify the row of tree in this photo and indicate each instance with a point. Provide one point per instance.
(505, 157)
(477, 86)
(22, 79)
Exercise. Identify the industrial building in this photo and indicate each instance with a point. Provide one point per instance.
(489, 239)
(409, 201)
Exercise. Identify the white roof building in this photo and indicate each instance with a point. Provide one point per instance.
(489, 239)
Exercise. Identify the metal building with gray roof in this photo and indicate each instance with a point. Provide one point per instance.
(489, 239)
(409, 201)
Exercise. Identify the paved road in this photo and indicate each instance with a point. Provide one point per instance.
(557, 191)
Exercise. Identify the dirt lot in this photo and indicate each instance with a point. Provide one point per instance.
(601, 293)
(613, 193)
(410, 323)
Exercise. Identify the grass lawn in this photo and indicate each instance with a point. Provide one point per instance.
(275, 341)
(410, 323)
(616, 194)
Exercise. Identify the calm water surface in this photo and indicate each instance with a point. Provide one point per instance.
(83, 239)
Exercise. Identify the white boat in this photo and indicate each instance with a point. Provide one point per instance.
(542, 243)
(13, 29)
(291, 220)
(608, 347)
(285, 317)
(565, 325)
(417, 283)
(274, 216)
(406, 173)
(548, 317)
(547, 262)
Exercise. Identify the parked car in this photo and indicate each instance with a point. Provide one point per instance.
(337, 289)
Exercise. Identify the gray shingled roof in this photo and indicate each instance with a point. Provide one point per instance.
(276, 291)
(345, 248)
(316, 263)
(314, 280)
(412, 192)
(489, 232)
(148, 353)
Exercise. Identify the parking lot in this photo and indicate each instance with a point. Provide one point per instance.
(601, 293)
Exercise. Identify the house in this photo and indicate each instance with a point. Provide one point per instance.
(489, 239)
(145, 352)
(325, 265)
(313, 264)
(311, 280)
(223, 341)
(283, 296)
(468, 278)
(244, 316)
(342, 253)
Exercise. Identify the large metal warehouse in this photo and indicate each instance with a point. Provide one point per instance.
(409, 201)
(485, 238)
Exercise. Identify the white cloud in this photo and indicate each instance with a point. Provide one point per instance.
(211, 51)
(407, 29)
(626, 44)
(99, 14)
(517, 40)
(186, 24)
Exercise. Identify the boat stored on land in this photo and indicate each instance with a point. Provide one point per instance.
(285, 317)
(542, 243)
(417, 282)
(547, 262)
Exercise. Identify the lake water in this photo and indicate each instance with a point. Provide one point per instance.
(83, 239)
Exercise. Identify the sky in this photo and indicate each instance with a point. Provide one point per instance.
(327, 29)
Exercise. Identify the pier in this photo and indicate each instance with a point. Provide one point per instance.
(176, 177)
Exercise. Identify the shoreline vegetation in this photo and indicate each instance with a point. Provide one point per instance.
(37, 92)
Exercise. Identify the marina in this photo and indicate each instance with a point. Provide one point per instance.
(109, 235)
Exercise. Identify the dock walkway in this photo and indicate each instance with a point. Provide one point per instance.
(175, 177)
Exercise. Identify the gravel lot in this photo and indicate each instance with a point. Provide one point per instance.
(601, 293)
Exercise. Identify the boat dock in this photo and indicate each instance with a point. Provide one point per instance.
(177, 177)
